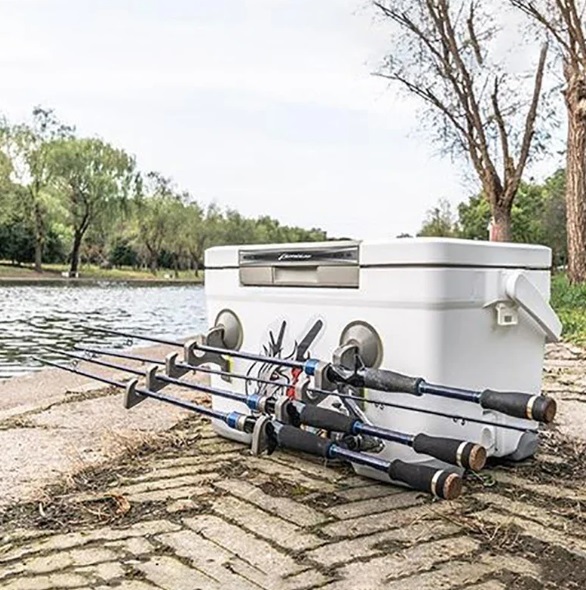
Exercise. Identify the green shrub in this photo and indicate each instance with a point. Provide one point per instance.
(569, 301)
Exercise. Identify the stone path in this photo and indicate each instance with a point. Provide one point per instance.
(205, 515)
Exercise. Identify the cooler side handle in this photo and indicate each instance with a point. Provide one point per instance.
(520, 290)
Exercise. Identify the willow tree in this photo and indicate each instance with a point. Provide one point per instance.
(93, 178)
(562, 22)
(446, 53)
(155, 222)
(26, 145)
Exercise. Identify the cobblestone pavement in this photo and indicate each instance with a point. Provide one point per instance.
(211, 516)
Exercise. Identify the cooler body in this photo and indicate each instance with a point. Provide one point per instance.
(459, 313)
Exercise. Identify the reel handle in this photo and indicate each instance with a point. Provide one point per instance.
(441, 483)
(465, 454)
(520, 405)
(325, 419)
(390, 381)
(290, 437)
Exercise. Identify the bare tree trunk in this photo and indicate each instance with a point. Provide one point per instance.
(500, 224)
(39, 238)
(38, 255)
(77, 238)
(153, 262)
(576, 178)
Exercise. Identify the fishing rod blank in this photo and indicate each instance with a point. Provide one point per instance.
(520, 405)
(163, 378)
(311, 390)
(442, 483)
(205, 348)
(457, 452)
(189, 367)
(229, 418)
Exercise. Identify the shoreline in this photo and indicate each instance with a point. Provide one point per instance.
(55, 280)
(57, 274)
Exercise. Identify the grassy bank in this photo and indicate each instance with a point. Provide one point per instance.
(569, 301)
(90, 272)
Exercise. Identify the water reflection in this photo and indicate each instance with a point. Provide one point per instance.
(33, 316)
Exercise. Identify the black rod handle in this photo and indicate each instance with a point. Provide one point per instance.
(290, 437)
(441, 483)
(390, 381)
(520, 405)
(326, 419)
(465, 454)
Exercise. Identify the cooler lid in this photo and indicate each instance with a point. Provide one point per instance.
(429, 252)
(448, 252)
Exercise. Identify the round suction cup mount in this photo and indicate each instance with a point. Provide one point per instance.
(233, 334)
(361, 337)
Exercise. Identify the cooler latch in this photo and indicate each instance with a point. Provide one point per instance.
(506, 314)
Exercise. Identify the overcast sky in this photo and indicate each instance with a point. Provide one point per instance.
(266, 106)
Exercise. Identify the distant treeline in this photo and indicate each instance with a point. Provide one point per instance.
(65, 198)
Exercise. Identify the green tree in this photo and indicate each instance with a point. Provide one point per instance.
(473, 218)
(153, 217)
(209, 230)
(122, 253)
(195, 230)
(555, 223)
(26, 145)
(94, 179)
(440, 222)
(538, 216)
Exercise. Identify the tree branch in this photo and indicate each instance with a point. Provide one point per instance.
(529, 124)
(473, 37)
(529, 9)
(509, 166)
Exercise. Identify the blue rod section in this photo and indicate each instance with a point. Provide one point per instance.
(449, 392)
(384, 433)
(337, 452)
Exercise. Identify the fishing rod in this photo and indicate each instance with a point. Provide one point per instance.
(269, 435)
(520, 405)
(456, 452)
(287, 385)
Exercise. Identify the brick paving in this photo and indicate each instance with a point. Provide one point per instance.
(213, 517)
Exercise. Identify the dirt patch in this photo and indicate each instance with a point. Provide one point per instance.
(82, 499)
(559, 568)
(278, 488)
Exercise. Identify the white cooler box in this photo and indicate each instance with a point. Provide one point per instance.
(459, 313)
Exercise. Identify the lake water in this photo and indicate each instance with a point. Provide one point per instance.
(60, 315)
